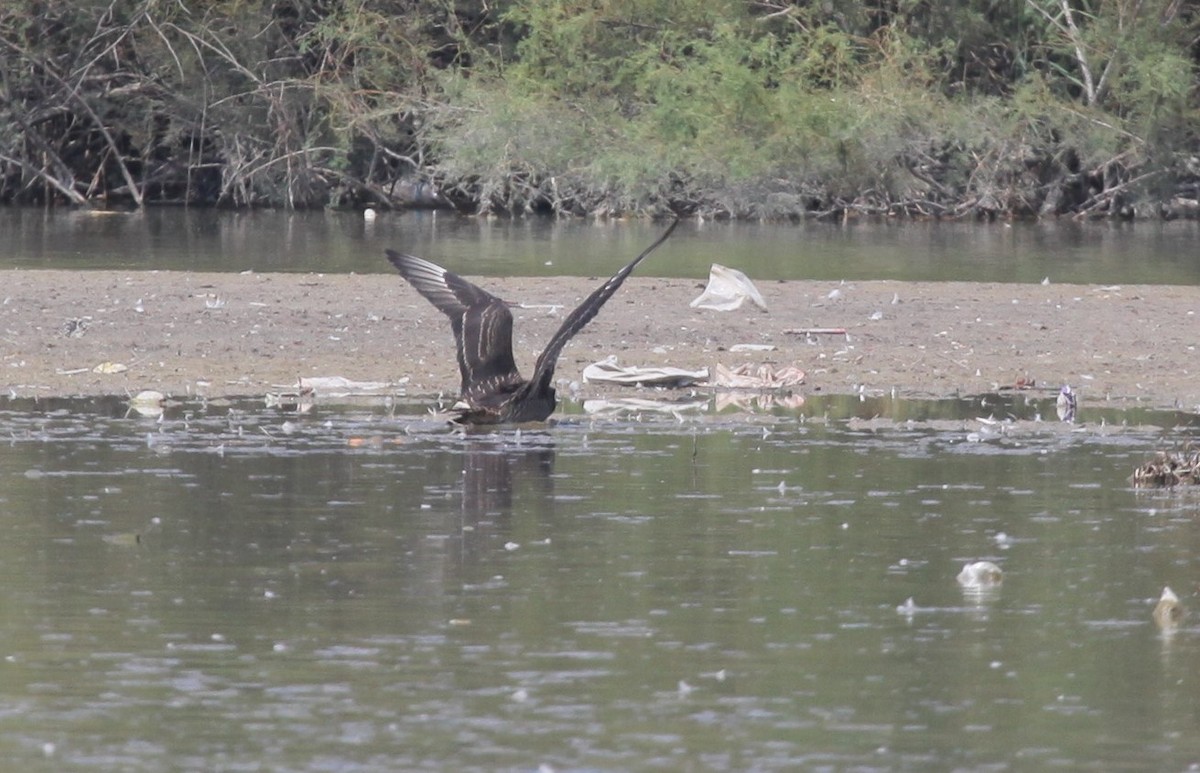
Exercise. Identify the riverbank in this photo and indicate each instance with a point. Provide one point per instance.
(181, 333)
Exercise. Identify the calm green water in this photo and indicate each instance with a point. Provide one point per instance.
(359, 589)
(202, 240)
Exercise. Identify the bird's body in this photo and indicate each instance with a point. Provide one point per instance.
(493, 390)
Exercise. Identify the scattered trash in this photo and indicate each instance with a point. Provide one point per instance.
(727, 290)
(1168, 611)
(981, 574)
(1066, 404)
(607, 371)
(109, 368)
(1168, 469)
(749, 376)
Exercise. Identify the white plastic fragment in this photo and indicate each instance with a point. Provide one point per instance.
(727, 290)
(607, 371)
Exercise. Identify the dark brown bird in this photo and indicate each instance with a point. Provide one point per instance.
(492, 388)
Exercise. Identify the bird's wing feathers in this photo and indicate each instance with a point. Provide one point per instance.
(481, 322)
(448, 291)
(586, 311)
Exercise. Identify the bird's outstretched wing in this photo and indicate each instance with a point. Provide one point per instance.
(481, 322)
(585, 312)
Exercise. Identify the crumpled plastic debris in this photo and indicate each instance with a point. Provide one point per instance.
(727, 290)
(750, 376)
(607, 371)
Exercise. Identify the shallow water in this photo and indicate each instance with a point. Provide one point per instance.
(358, 588)
(341, 242)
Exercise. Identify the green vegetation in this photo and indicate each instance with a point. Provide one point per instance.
(765, 109)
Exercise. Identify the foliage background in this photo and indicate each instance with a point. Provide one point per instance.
(985, 108)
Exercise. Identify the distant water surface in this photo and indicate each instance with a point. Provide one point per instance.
(342, 242)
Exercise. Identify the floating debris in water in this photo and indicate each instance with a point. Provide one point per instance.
(1168, 469)
(1168, 611)
(981, 574)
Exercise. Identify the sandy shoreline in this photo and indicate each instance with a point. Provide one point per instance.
(244, 334)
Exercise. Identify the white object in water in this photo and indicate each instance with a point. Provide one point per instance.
(1168, 612)
(980, 574)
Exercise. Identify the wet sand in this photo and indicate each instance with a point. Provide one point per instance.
(185, 333)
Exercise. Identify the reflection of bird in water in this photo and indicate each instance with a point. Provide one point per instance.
(1065, 405)
(492, 388)
(490, 470)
